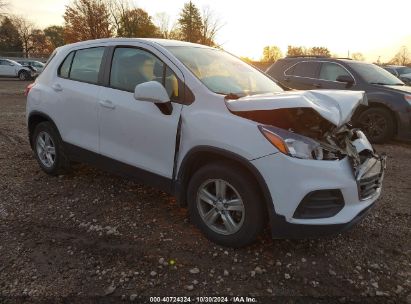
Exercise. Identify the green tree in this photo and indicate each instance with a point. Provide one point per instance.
(296, 50)
(319, 51)
(137, 23)
(55, 35)
(86, 19)
(271, 53)
(190, 23)
(9, 37)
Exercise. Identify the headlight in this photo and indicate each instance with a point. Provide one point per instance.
(407, 98)
(292, 144)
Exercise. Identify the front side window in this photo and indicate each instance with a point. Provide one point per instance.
(86, 65)
(374, 74)
(132, 66)
(330, 71)
(404, 70)
(223, 73)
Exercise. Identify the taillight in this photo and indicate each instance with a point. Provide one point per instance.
(27, 90)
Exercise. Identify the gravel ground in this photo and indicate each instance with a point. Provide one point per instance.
(92, 235)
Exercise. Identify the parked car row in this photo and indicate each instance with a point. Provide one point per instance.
(22, 69)
(226, 140)
(388, 112)
(402, 72)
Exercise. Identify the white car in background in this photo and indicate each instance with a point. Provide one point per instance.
(215, 132)
(11, 68)
(37, 65)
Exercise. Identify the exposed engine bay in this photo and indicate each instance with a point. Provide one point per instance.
(336, 142)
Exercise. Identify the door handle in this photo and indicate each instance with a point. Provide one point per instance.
(107, 104)
(317, 85)
(287, 79)
(57, 87)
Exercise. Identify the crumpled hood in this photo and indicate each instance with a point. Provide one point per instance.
(336, 106)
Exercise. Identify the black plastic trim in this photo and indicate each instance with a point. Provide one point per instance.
(281, 229)
(76, 153)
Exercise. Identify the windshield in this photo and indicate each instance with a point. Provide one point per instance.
(404, 70)
(223, 73)
(373, 74)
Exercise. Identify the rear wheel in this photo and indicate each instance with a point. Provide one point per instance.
(48, 149)
(377, 123)
(224, 202)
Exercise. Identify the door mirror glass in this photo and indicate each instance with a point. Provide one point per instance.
(346, 79)
(151, 91)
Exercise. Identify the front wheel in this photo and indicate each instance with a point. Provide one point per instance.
(225, 203)
(23, 75)
(377, 124)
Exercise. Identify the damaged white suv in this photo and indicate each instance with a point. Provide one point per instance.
(218, 134)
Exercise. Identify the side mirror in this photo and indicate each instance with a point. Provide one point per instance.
(153, 91)
(346, 79)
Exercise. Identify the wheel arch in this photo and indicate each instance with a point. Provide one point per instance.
(34, 119)
(202, 155)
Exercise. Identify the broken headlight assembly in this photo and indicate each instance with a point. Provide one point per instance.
(292, 144)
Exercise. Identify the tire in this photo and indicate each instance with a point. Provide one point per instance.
(239, 185)
(24, 75)
(377, 123)
(48, 149)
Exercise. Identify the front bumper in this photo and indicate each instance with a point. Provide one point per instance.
(289, 180)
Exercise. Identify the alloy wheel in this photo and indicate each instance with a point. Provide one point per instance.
(220, 206)
(46, 150)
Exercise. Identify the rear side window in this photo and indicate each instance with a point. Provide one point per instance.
(86, 65)
(64, 70)
(330, 71)
(304, 69)
(132, 66)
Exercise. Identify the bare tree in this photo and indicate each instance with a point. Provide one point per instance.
(25, 29)
(167, 28)
(3, 7)
(358, 56)
(402, 57)
(211, 25)
(118, 10)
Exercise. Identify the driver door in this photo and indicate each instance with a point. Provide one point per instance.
(132, 131)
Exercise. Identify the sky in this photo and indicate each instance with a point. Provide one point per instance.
(375, 28)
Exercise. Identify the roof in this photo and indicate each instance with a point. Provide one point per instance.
(151, 41)
(321, 58)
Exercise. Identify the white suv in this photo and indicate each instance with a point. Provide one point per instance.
(11, 68)
(218, 134)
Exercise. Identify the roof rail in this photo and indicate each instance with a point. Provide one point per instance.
(307, 56)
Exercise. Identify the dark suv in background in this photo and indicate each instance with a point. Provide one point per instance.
(400, 71)
(388, 114)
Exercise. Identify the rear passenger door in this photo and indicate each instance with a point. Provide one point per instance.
(77, 88)
(329, 72)
(136, 132)
(302, 75)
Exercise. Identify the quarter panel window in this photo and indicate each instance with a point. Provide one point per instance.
(64, 70)
(330, 71)
(86, 65)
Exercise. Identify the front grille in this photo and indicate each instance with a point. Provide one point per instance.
(371, 180)
(320, 204)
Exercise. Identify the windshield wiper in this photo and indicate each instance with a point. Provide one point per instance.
(231, 95)
(393, 84)
(379, 83)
